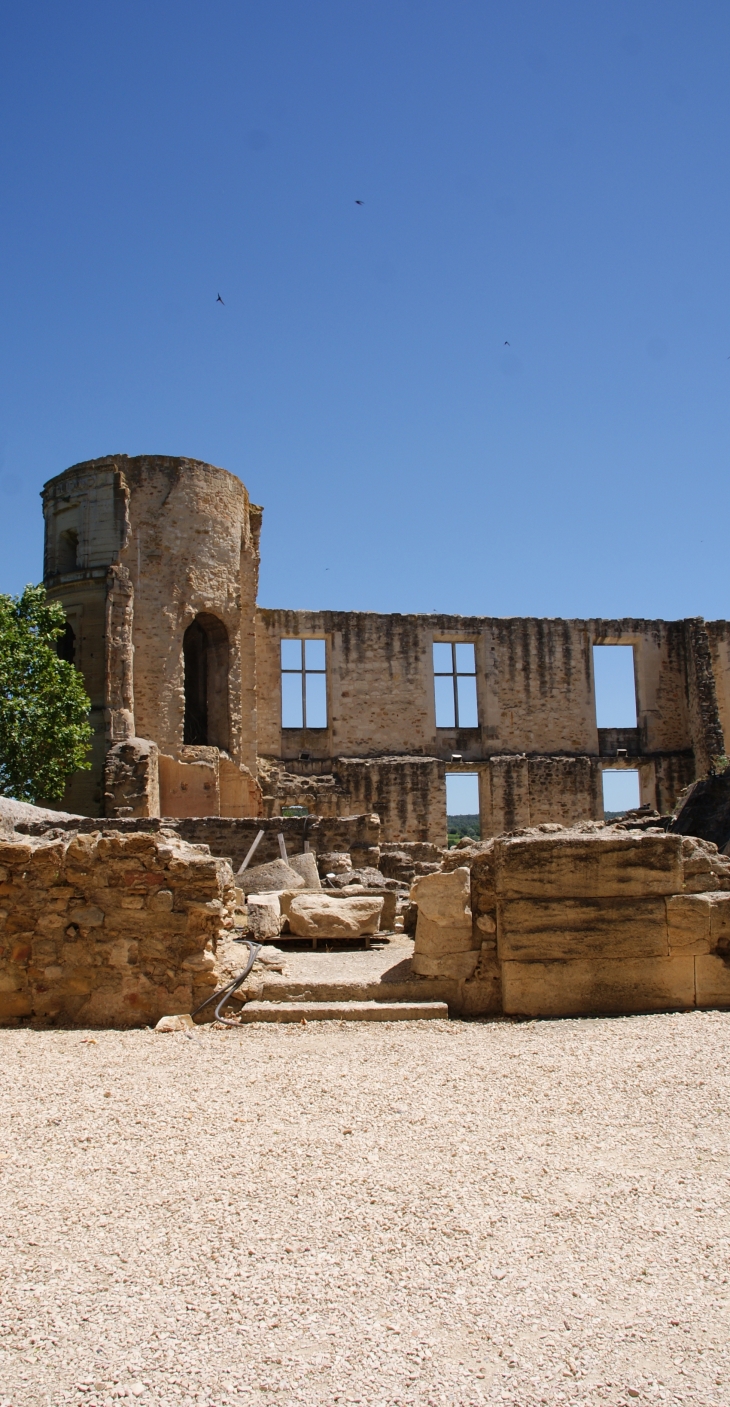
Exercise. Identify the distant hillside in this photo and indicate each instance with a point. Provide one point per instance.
(459, 826)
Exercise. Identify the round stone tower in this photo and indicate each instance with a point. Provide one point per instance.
(156, 562)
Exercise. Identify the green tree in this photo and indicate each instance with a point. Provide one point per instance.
(44, 707)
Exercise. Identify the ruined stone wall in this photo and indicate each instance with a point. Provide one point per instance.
(521, 791)
(231, 839)
(135, 549)
(534, 682)
(718, 638)
(574, 923)
(189, 549)
(113, 929)
(537, 749)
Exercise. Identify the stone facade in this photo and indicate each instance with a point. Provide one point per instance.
(156, 562)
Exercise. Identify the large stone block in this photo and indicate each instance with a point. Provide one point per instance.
(592, 986)
(275, 876)
(444, 898)
(459, 965)
(434, 938)
(305, 865)
(319, 916)
(688, 920)
(720, 921)
(712, 980)
(530, 930)
(606, 864)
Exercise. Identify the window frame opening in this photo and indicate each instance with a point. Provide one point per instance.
(305, 699)
(612, 812)
(66, 644)
(611, 694)
(206, 664)
(462, 816)
(67, 551)
(461, 702)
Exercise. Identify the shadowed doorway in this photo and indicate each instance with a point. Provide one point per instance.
(205, 655)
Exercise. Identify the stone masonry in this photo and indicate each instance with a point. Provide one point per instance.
(155, 560)
(108, 930)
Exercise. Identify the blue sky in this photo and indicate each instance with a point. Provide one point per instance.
(549, 176)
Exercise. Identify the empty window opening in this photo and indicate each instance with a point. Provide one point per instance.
(66, 645)
(613, 671)
(303, 684)
(205, 655)
(68, 551)
(455, 684)
(462, 805)
(620, 792)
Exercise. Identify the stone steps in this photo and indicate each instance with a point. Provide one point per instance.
(344, 1011)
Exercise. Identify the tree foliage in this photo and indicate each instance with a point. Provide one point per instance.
(44, 728)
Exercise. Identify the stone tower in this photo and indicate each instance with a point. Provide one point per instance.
(155, 560)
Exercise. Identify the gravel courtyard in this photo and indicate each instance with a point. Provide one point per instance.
(430, 1213)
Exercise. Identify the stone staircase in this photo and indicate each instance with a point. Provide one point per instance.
(343, 984)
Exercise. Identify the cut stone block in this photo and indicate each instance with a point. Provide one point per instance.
(345, 1011)
(531, 930)
(434, 938)
(264, 916)
(276, 875)
(305, 865)
(592, 986)
(720, 921)
(712, 980)
(320, 916)
(579, 866)
(688, 919)
(458, 965)
(444, 898)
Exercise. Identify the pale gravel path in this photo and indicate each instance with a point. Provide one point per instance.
(529, 1213)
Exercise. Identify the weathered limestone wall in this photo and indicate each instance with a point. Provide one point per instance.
(580, 923)
(537, 749)
(718, 636)
(113, 929)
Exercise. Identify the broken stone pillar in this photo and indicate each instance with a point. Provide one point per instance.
(445, 945)
(131, 779)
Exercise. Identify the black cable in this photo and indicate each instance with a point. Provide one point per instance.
(226, 993)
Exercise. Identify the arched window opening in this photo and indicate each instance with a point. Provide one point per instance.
(205, 656)
(68, 548)
(66, 645)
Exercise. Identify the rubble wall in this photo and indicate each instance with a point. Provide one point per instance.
(108, 929)
(231, 839)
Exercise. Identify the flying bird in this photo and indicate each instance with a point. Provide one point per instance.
(359, 202)
(220, 300)
(506, 344)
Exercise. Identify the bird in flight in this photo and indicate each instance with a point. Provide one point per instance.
(506, 344)
(359, 202)
(220, 300)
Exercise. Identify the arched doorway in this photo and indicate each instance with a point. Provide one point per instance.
(205, 656)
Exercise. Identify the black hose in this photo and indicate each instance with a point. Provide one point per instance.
(226, 993)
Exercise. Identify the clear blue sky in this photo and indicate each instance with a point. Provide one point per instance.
(551, 175)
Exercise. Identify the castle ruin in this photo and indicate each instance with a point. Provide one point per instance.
(205, 704)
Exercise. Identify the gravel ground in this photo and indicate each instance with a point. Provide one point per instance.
(429, 1213)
